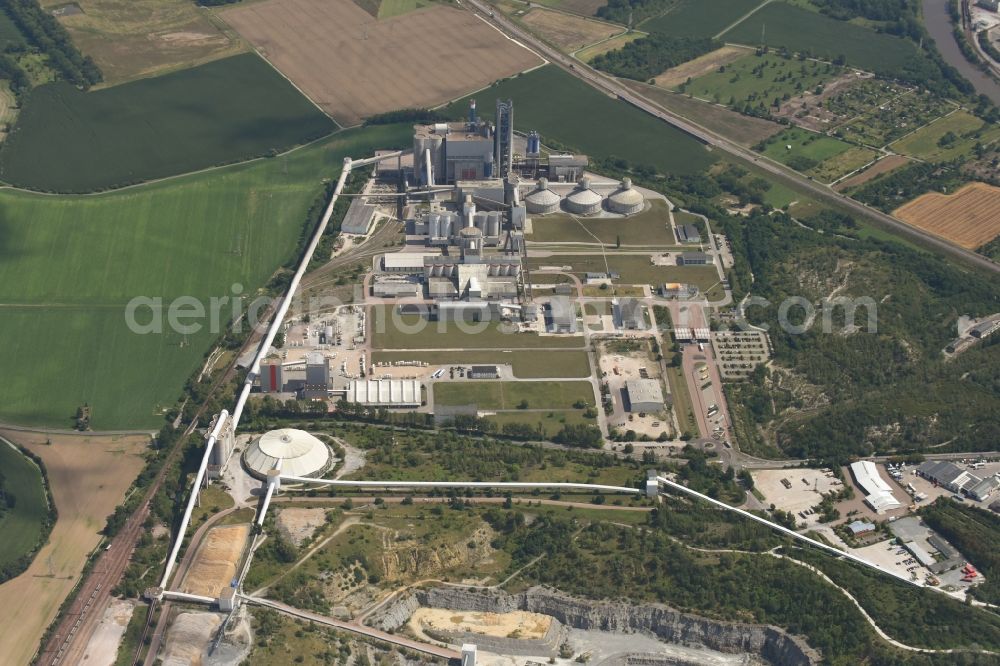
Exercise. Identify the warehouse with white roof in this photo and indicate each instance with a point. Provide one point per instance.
(878, 492)
(385, 392)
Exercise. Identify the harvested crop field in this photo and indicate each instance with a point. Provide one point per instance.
(88, 475)
(970, 217)
(706, 64)
(884, 165)
(352, 66)
(612, 44)
(568, 32)
(217, 559)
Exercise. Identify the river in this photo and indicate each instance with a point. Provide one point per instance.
(938, 24)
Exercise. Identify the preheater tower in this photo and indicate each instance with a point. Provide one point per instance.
(503, 147)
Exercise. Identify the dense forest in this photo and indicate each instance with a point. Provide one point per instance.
(46, 34)
(649, 56)
(605, 561)
(621, 11)
(976, 534)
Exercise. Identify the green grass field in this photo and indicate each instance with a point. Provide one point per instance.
(502, 395)
(21, 526)
(390, 8)
(758, 80)
(634, 269)
(801, 30)
(651, 227)
(526, 363)
(230, 110)
(69, 265)
(411, 331)
(803, 150)
(700, 18)
(572, 113)
(551, 421)
(842, 164)
(927, 143)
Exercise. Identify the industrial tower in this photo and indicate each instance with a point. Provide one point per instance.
(503, 157)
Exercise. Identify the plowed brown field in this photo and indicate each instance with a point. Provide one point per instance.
(970, 217)
(353, 66)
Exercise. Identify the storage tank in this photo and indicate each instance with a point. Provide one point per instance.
(583, 200)
(480, 221)
(493, 225)
(434, 225)
(626, 200)
(534, 143)
(542, 200)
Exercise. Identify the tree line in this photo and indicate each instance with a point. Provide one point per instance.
(650, 56)
(45, 33)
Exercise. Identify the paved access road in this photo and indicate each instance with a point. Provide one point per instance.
(610, 86)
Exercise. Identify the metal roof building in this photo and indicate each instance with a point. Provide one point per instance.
(878, 492)
(644, 395)
(385, 392)
(948, 474)
(689, 234)
(294, 452)
(627, 314)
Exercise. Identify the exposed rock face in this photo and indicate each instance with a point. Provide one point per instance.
(770, 643)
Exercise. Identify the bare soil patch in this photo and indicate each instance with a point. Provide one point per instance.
(884, 165)
(88, 476)
(568, 32)
(353, 66)
(297, 525)
(218, 557)
(516, 624)
(700, 66)
(970, 217)
(188, 638)
(103, 645)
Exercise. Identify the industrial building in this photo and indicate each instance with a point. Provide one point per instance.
(627, 314)
(560, 315)
(860, 527)
(317, 383)
(693, 259)
(678, 290)
(686, 334)
(878, 492)
(983, 490)
(626, 200)
(484, 372)
(985, 329)
(294, 452)
(644, 395)
(688, 234)
(385, 392)
(271, 375)
(584, 200)
(948, 474)
(542, 200)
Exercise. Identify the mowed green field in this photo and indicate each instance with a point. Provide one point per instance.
(569, 111)
(649, 227)
(700, 18)
(759, 79)
(21, 526)
(70, 264)
(929, 142)
(525, 363)
(391, 330)
(66, 140)
(508, 395)
(796, 143)
(801, 30)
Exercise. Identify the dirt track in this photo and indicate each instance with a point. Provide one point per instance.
(353, 66)
(970, 217)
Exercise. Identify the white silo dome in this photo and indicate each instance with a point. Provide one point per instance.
(583, 200)
(542, 200)
(626, 200)
(300, 454)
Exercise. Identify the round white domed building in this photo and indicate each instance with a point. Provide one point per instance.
(299, 454)
(584, 200)
(542, 200)
(626, 200)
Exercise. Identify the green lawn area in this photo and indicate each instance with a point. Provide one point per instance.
(411, 331)
(489, 395)
(70, 264)
(842, 164)
(21, 526)
(803, 150)
(526, 363)
(966, 130)
(67, 140)
(552, 422)
(745, 130)
(801, 30)
(389, 8)
(700, 18)
(570, 112)
(634, 269)
(651, 227)
(757, 80)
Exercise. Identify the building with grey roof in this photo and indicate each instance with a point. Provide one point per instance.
(983, 490)
(859, 527)
(693, 259)
(985, 329)
(688, 234)
(560, 315)
(627, 314)
(644, 395)
(948, 474)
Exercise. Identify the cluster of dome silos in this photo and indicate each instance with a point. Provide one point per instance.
(584, 200)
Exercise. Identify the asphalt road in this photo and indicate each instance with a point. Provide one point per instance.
(610, 86)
